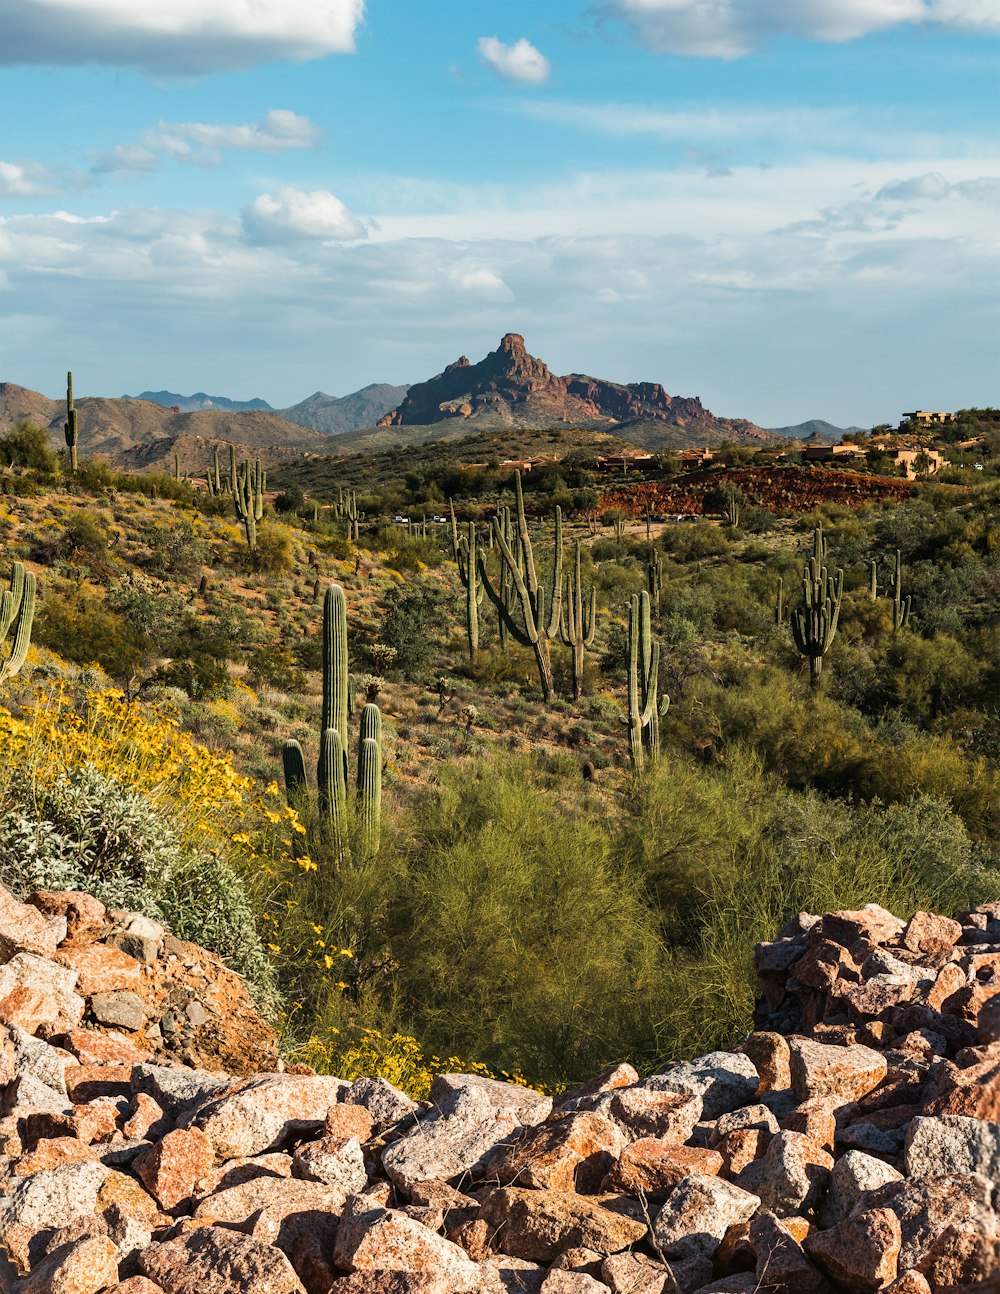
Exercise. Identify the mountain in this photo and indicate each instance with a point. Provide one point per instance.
(333, 415)
(815, 429)
(190, 403)
(127, 430)
(512, 388)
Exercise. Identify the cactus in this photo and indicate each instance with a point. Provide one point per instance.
(873, 580)
(643, 668)
(577, 626)
(177, 467)
(331, 780)
(468, 571)
(654, 577)
(17, 610)
(214, 477)
(335, 672)
(900, 606)
(732, 511)
(69, 426)
(779, 603)
(814, 624)
(538, 629)
(620, 527)
(248, 498)
(294, 765)
(369, 793)
(454, 530)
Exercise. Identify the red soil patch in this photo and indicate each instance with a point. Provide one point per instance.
(779, 489)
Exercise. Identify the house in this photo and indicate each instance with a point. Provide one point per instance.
(918, 462)
(694, 458)
(925, 419)
(828, 453)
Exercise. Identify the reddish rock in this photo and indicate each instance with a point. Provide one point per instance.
(36, 993)
(23, 929)
(145, 1118)
(283, 1196)
(52, 1153)
(928, 933)
(264, 1111)
(171, 1168)
(847, 1073)
(909, 1282)
(93, 1048)
(741, 1147)
(861, 1253)
(781, 1263)
(212, 1261)
(815, 1118)
(88, 1082)
(136, 1285)
(871, 923)
(539, 1225)
(573, 1152)
(86, 917)
(644, 1112)
(972, 1089)
(345, 1121)
(101, 969)
(770, 1055)
(609, 1080)
(697, 1215)
(386, 1240)
(653, 1167)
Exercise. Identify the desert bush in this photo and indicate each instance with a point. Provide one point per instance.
(28, 446)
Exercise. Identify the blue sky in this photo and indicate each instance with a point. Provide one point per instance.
(788, 207)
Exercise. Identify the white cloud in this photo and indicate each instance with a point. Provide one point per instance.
(176, 36)
(733, 28)
(477, 280)
(28, 180)
(292, 215)
(517, 62)
(933, 187)
(281, 131)
(125, 159)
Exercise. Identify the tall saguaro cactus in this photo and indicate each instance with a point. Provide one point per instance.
(468, 572)
(900, 605)
(248, 498)
(654, 577)
(69, 426)
(331, 770)
(538, 628)
(814, 623)
(17, 610)
(579, 622)
(643, 669)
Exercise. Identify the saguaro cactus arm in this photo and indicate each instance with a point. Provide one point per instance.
(17, 610)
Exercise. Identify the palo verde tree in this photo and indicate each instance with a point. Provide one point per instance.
(533, 628)
(814, 623)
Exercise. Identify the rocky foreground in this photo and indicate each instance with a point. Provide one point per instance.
(852, 1144)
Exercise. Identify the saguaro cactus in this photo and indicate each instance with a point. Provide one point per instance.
(643, 669)
(369, 793)
(538, 629)
(732, 511)
(900, 606)
(654, 577)
(335, 672)
(468, 572)
(248, 499)
(214, 476)
(69, 426)
(873, 580)
(814, 624)
(17, 610)
(578, 623)
(779, 602)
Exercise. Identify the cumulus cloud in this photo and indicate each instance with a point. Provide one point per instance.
(291, 215)
(733, 28)
(281, 131)
(28, 180)
(176, 36)
(125, 159)
(517, 62)
(477, 280)
(933, 187)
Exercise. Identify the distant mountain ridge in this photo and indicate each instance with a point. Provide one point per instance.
(510, 387)
(191, 403)
(334, 415)
(815, 429)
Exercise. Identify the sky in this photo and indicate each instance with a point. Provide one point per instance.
(790, 208)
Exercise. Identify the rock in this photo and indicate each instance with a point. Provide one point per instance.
(871, 923)
(861, 1253)
(573, 1152)
(770, 1056)
(211, 1261)
(386, 1240)
(928, 1206)
(282, 1196)
(145, 1118)
(927, 933)
(952, 1144)
(136, 1285)
(30, 1056)
(645, 1111)
(697, 1215)
(36, 992)
(909, 1282)
(847, 1073)
(469, 1122)
(119, 1009)
(724, 1080)
(174, 1089)
(138, 937)
(23, 929)
(335, 1161)
(651, 1166)
(386, 1104)
(172, 1167)
(264, 1112)
(345, 1121)
(585, 1096)
(539, 1225)
(791, 1177)
(47, 1201)
(84, 915)
(854, 1174)
(84, 1267)
(563, 1282)
(637, 1274)
(93, 1048)
(782, 1265)
(100, 969)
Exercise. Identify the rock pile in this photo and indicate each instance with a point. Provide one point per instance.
(851, 1144)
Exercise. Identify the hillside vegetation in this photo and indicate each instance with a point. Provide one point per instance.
(533, 900)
